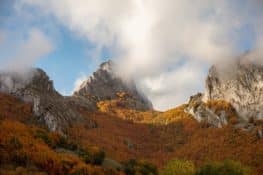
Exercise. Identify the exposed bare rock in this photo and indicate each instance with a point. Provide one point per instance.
(241, 84)
(81, 102)
(58, 112)
(105, 84)
(35, 87)
(202, 113)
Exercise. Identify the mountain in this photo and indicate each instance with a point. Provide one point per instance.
(106, 84)
(58, 113)
(233, 94)
(241, 84)
(35, 87)
(108, 127)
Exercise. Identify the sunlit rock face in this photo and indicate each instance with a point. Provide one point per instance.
(105, 84)
(35, 87)
(202, 113)
(241, 84)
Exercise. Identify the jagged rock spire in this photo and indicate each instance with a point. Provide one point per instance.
(105, 84)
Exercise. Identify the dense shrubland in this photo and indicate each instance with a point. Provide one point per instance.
(141, 141)
(29, 149)
(23, 146)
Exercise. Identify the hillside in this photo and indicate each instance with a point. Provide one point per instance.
(25, 144)
(182, 137)
(117, 131)
(28, 148)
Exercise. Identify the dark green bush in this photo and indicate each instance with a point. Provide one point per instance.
(92, 155)
(15, 143)
(43, 135)
(66, 144)
(20, 158)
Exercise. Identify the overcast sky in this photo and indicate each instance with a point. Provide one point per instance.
(167, 46)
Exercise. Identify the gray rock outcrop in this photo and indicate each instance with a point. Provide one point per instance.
(35, 87)
(105, 84)
(241, 84)
(202, 113)
(58, 112)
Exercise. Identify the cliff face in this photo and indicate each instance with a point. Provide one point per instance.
(36, 88)
(203, 112)
(58, 112)
(105, 84)
(241, 85)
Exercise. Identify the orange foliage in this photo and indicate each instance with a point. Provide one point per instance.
(19, 146)
(172, 115)
(226, 143)
(180, 137)
(221, 105)
(118, 108)
(153, 136)
(13, 108)
(123, 140)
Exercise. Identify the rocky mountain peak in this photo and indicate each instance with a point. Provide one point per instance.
(241, 84)
(105, 84)
(107, 66)
(35, 87)
(34, 79)
(42, 82)
(58, 112)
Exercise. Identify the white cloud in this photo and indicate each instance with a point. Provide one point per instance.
(172, 88)
(22, 53)
(151, 38)
(18, 55)
(82, 77)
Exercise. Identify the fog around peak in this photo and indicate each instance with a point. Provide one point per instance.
(167, 46)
